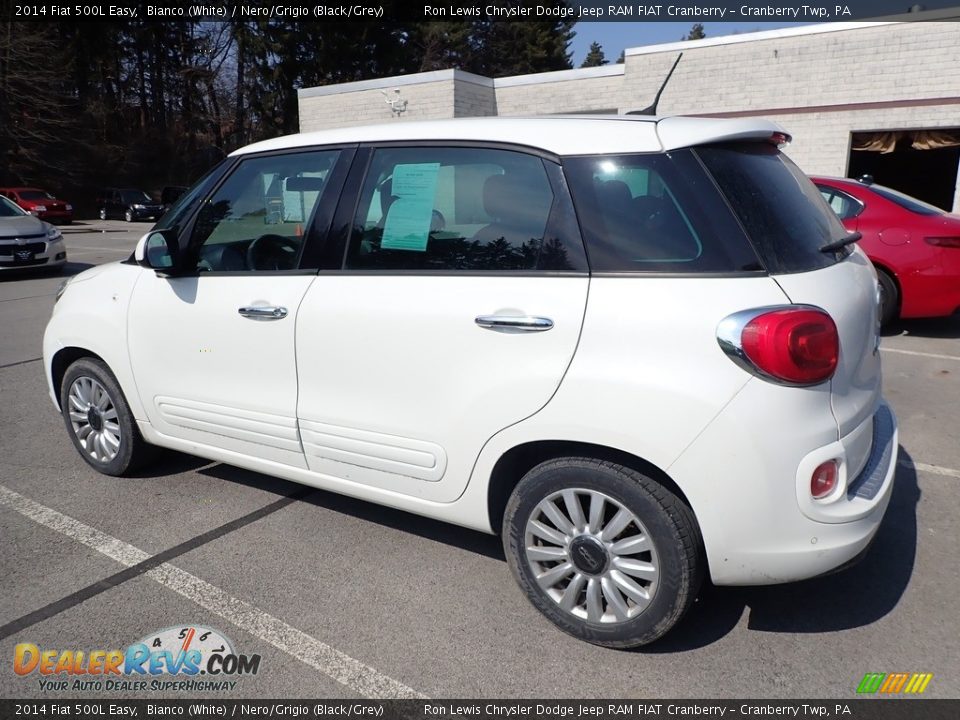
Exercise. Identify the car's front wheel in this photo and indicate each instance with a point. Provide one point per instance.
(606, 553)
(103, 213)
(128, 216)
(99, 420)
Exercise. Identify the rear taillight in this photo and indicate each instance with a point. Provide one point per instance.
(779, 139)
(793, 345)
(948, 242)
(824, 479)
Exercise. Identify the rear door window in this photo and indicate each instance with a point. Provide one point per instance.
(460, 209)
(844, 205)
(780, 208)
(655, 213)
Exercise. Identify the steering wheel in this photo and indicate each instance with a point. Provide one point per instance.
(272, 252)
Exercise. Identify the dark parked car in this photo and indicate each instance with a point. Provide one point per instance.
(40, 203)
(128, 204)
(170, 194)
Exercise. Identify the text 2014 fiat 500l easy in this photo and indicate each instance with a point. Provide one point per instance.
(641, 350)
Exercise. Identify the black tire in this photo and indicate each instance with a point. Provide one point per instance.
(664, 518)
(889, 298)
(128, 216)
(133, 451)
(103, 213)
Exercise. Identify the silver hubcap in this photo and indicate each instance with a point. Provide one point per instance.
(592, 556)
(93, 417)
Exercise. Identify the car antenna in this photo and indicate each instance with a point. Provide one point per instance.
(652, 109)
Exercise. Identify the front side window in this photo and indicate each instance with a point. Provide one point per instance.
(258, 218)
(471, 209)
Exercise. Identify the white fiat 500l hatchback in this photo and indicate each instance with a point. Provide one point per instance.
(641, 350)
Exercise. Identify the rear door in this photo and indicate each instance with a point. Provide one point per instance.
(455, 313)
(788, 221)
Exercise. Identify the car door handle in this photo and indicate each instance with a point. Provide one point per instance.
(525, 323)
(263, 312)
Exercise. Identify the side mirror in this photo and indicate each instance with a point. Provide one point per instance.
(158, 250)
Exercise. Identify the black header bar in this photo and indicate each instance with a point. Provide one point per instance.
(813, 11)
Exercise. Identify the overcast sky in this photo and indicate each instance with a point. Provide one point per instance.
(616, 36)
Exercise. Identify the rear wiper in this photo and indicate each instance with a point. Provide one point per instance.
(840, 244)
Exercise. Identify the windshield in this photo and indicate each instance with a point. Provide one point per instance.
(135, 196)
(906, 202)
(35, 195)
(186, 203)
(8, 209)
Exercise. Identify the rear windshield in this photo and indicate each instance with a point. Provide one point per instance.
(782, 211)
(655, 213)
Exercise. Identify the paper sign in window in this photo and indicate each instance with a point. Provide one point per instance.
(408, 219)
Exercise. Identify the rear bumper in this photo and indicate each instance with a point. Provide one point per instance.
(759, 524)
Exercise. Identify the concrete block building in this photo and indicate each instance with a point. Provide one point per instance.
(859, 98)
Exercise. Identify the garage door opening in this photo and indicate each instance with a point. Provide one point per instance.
(921, 163)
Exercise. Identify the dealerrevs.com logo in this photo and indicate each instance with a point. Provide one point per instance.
(188, 658)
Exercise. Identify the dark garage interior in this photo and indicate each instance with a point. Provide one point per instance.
(921, 163)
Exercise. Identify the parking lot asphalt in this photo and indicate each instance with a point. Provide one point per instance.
(342, 598)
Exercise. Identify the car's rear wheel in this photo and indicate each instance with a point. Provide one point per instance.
(99, 420)
(609, 555)
(889, 298)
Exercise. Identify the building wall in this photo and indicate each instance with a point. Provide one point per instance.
(820, 82)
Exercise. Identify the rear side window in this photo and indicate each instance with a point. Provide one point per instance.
(780, 208)
(655, 213)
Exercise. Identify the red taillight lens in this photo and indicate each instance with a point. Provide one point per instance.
(824, 479)
(794, 345)
(779, 139)
(950, 242)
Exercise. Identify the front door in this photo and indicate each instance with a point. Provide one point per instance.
(213, 347)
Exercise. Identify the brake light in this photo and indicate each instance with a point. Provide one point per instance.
(779, 139)
(796, 345)
(949, 242)
(823, 480)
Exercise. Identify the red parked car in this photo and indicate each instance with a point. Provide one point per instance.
(40, 203)
(914, 246)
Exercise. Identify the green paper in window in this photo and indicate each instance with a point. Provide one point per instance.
(408, 219)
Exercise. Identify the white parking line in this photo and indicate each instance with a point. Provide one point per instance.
(921, 354)
(935, 469)
(347, 671)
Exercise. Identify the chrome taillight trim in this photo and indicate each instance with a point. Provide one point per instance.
(730, 332)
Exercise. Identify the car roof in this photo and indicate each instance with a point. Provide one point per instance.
(20, 189)
(560, 135)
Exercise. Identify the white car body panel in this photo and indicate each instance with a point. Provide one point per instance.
(207, 374)
(571, 135)
(382, 386)
(95, 320)
(400, 388)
